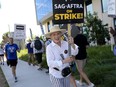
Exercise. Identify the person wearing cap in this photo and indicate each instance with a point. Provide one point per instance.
(58, 58)
(30, 53)
(11, 55)
(81, 57)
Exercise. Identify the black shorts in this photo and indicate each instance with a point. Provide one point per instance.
(2, 55)
(12, 62)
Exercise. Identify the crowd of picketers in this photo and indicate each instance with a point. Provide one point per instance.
(9, 50)
(36, 48)
(57, 56)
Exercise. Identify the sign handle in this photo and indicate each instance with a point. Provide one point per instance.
(69, 34)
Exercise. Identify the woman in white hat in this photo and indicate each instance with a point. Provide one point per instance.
(58, 56)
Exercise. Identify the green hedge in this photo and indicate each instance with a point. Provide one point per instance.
(100, 67)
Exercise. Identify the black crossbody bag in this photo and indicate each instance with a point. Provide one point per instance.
(66, 71)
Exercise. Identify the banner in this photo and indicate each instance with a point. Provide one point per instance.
(68, 11)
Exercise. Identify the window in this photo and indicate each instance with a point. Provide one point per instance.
(104, 5)
(89, 7)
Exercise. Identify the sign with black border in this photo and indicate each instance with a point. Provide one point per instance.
(68, 11)
(19, 31)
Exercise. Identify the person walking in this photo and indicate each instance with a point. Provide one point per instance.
(38, 49)
(30, 53)
(82, 42)
(1, 55)
(11, 55)
(58, 58)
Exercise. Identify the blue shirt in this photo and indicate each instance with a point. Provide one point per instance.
(11, 51)
(30, 49)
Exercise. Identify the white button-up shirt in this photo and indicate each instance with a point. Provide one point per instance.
(54, 59)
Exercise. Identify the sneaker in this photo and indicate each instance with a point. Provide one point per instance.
(15, 79)
(91, 85)
(39, 69)
(47, 71)
(29, 64)
(33, 64)
(80, 83)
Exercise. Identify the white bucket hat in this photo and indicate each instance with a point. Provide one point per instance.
(54, 29)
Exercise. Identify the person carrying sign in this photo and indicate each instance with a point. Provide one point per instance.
(58, 58)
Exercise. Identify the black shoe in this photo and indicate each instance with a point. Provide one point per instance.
(29, 64)
(33, 64)
(39, 69)
(16, 79)
(47, 71)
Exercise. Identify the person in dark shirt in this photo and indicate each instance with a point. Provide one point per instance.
(30, 53)
(82, 42)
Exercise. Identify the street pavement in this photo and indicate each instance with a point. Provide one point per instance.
(28, 76)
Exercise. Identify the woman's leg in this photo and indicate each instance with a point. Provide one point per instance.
(29, 58)
(80, 65)
(3, 60)
(72, 80)
(14, 71)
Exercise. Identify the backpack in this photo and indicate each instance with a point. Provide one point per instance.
(38, 44)
(114, 50)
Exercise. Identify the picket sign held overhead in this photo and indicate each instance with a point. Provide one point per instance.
(68, 11)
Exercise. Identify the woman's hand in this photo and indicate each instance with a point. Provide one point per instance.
(70, 40)
(69, 59)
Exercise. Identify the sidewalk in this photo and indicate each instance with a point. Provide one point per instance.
(28, 76)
